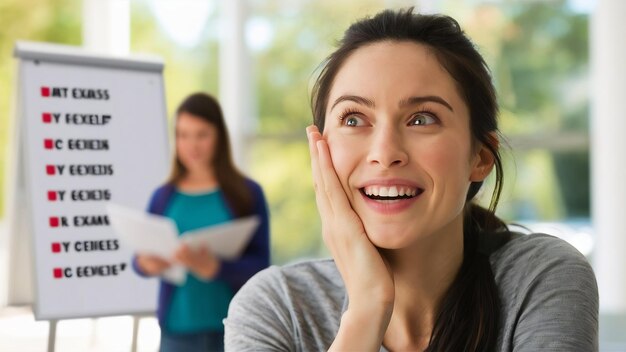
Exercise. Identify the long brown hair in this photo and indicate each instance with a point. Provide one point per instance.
(468, 315)
(231, 181)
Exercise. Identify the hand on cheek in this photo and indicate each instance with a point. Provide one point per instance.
(366, 275)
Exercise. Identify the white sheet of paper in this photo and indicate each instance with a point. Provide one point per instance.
(147, 233)
(226, 240)
(158, 235)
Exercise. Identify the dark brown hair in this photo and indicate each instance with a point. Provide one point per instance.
(231, 181)
(468, 314)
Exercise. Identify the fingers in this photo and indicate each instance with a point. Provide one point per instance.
(162, 264)
(151, 258)
(313, 136)
(160, 261)
(191, 257)
(201, 261)
(181, 252)
(334, 197)
(341, 226)
(337, 196)
(153, 265)
(184, 255)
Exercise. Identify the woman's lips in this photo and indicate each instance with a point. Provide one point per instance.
(382, 202)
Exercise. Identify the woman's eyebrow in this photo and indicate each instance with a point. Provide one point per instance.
(355, 98)
(403, 103)
(417, 100)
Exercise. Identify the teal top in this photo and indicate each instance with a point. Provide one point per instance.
(198, 305)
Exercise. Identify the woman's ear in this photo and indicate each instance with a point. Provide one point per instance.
(484, 159)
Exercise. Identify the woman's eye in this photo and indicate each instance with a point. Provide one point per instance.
(353, 121)
(422, 118)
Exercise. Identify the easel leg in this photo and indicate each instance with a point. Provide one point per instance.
(133, 346)
(94, 333)
(52, 334)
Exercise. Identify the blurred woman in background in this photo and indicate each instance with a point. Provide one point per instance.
(204, 189)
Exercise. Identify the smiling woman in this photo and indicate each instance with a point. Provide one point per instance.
(405, 134)
(410, 130)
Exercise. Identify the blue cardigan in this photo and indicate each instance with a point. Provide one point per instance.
(255, 257)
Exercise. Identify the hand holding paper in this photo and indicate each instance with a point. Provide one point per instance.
(152, 265)
(201, 261)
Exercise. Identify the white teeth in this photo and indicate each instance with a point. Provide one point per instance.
(391, 191)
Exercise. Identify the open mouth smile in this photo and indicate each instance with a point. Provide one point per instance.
(390, 193)
(390, 199)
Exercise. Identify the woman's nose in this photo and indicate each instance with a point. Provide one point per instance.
(387, 149)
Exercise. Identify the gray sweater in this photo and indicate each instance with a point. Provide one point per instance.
(548, 293)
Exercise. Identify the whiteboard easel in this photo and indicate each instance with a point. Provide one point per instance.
(84, 123)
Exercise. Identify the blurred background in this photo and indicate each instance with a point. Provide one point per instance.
(538, 51)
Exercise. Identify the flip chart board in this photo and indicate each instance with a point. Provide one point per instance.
(92, 130)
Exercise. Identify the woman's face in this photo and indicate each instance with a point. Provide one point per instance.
(195, 141)
(399, 137)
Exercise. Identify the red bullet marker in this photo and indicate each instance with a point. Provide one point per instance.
(46, 117)
(58, 273)
(54, 222)
(56, 247)
(45, 91)
(47, 143)
(52, 196)
(50, 169)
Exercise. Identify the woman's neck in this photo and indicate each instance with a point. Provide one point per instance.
(423, 274)
(199, 179)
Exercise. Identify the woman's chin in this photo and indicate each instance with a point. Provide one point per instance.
(196, 165)
(388, 237)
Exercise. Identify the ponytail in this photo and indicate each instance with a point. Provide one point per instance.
(469, 313)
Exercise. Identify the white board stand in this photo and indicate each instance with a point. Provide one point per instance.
(52, 334)
(133, 345)
(89, 129)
